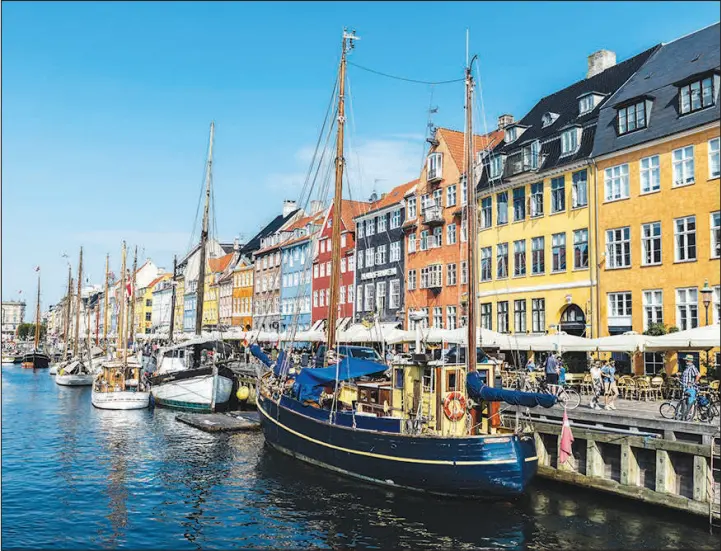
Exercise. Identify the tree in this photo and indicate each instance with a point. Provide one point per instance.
(655, 330)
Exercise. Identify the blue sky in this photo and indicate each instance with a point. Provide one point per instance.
(106, 106)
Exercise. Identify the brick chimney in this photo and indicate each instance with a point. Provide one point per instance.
(599, 61)
(504, 120)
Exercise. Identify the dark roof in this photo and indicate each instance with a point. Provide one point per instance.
(564, 103)
(674, 62)
(254, 244)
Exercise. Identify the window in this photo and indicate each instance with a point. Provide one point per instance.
(315, 299)
(652, 308)
(370, 257)
(437, 239)
(360, 228)
(360, 259)
(359, 299)
(538, 255)
(486, 261)
(411, 208)
(464, 273)
(451, 234)
(586, 104)
(650, 174)
(580, 249)
(435, 166)
(538, 315)
(342, 294)
(451, 317)
(619, 306)
(381, 257)
(395, 251)
(351, 291)
(396, 219)
(558, 252)
(548, 119)
(351, 263)
(519, 316)
(496, 166)
(653, 362)
(502, 208)
(148, 316)
(558, 194)
(502, 260)
(464, 190)
(519, 204)
(651, 244)
(616, 182)
(715, 234)
(687, 308)
(486, 219)
(394, 300)
(451, 196)
(519, 258)
(322, 269)
(438, 317)
(424, 240)
(486, 315)
(431, 276)
(382, 223)
(451, 275)
(322, 297)
(714, 166)
(381, 296)
(342, 265)
(369, 290)
(342, 242)
(696, 95)
(502, 317)
(618, 248)
(322, 246)
(370, 227)
(411, 280)
(685, 234)
(632, 117)
(683, 167)
(412, 243)
(537, 199)
(579, 189)
(716, 304)
(569, 141)
(511, 134)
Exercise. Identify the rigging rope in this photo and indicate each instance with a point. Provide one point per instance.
(415, 81)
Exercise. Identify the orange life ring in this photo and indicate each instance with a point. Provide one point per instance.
(459, 409)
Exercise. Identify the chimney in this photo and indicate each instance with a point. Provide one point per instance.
(236, 244)
(504, 120)
(599, 61)
(315, 207)
(288, 207)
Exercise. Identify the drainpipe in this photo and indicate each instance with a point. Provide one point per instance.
(597, 308)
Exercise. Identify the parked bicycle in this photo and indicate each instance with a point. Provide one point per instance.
(705, 408)
(566, 397)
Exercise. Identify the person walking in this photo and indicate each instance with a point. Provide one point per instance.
(609, 384)
(596, 385)
(551, 370)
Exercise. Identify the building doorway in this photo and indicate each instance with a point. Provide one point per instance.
(573, 321)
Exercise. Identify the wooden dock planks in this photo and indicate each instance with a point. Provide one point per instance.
(221, 422)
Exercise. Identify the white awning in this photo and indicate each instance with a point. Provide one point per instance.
(699, 338)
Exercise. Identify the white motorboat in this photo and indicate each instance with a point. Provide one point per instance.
(53, 369)
(74, 374)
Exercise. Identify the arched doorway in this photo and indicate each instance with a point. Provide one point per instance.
(573, 321)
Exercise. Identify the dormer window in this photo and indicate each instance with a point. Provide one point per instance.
(570, 140)
(585, 104)
(496, 166)
(435, 166)
(697, 95)
(633, 117)
(548, 119)
(531, 154)
(511, 134)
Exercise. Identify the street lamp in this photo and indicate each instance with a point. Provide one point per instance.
(706, 294)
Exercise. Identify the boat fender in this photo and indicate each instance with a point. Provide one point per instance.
(458, 410)
(243, 393)
(386, 407)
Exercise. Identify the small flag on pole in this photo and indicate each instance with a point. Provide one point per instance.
(566, 450)
(37, 268)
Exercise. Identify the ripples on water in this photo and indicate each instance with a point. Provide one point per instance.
(77, 477)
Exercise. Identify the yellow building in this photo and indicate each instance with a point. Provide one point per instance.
(658, 198)
(179, 303)
(144, 306)
(243, 294)
(214, 269)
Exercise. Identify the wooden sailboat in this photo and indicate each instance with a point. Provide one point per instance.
(119, 383)
(183, 379)
(66, 355)
(36, 359)
(428, 427)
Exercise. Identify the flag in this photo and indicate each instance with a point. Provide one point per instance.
(37, 268)
(566, 440)
(129, 289)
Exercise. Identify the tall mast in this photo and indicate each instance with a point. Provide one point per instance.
(472, 219)
(347, 45)
(77, 304)
(172, 298)
(69, 298)
(122, 343)
(105, 303)
(204, 237)
(37, 317)
(131, 317)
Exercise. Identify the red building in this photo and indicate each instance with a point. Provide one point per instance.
(322, 265)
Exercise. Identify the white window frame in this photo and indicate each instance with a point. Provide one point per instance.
(381, 295)
(395, 252)
(369, 300)
(395, 219)
(652, 307)
(495, 167)
(650, 174)
(412, 281)
(370, 227)
(438, 317)
(370, 257)
(586, 104)
(451, 274)
(620, 305)
(425, 234)
(501, 260)
(715, 225)
(570, 141)
(683, 250)
(684, 166)
(451, 317)
(615, 238)
(435, 166)
(519, 252)
(451, 196)
(714, 159)
(351, 294)
(579, 189)
(411, 208)
(687, 308)
(536, 207)
(342, 241)
(486, 212)
(616, 183)
(692, 91)
(486, 264)
(716, 304)
(360, 228)
(451, 237)
(382, 223)
(381, 257)
(651, 242)
(411, 243)
(394, 298)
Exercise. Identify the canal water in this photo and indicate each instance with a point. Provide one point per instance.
(77, 477)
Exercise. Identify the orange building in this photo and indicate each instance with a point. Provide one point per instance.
(243, 294)
(436, 232)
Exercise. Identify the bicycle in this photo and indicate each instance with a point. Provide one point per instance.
(567, 397)
(668, 409)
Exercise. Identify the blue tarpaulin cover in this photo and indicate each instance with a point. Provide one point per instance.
(478, 390)
(282, 364)
(309, 381)
(258, 353)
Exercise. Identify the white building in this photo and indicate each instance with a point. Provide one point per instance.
(13, 314)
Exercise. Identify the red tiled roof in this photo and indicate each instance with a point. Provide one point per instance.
(456, 143)
(219, 264)
(157, 280)
(393, 196)
(350, 209)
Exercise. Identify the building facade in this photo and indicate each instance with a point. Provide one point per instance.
(243, 294)
(380, 257)
(13, 314)
(162, 297)
(215, 269)
(436, 234)
(657, 156)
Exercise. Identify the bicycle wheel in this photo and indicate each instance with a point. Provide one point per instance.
(667, 410)
(569, 398)
(680, 413)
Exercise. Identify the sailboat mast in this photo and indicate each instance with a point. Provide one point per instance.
(348, 39)
(37, 317)
(68, 308)
(105, 303)
(172, 298)
(121, 304)
(204, 237)
(77, 304)
(472, 219)
(131, 317)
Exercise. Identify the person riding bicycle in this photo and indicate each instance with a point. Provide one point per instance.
(689, 380)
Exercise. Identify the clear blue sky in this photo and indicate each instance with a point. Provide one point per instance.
(106, 106)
